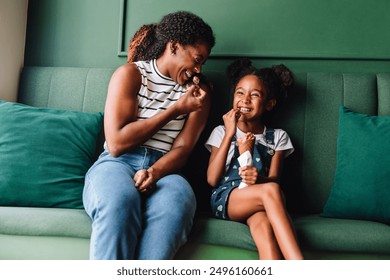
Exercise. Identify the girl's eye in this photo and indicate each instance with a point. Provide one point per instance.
(257, 94)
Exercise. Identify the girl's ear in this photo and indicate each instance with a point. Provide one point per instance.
(270, 104)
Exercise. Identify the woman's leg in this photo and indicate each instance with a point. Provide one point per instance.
(263, 236)
(168, 218)
(266, 197)
(114, 206)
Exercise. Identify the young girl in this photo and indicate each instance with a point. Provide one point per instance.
(260, 204)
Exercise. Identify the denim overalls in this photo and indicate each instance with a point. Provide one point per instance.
(262, 156)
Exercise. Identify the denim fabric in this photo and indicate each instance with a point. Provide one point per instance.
(128, 225)
(262, 156)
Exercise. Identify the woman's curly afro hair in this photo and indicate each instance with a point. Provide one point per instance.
(183, 27)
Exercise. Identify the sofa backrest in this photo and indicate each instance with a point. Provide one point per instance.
(82, 89)
(310, 118)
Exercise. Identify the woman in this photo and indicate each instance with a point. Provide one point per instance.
(154, 114)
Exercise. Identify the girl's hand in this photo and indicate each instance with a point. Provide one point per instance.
(248, 174)
(145, 180)
(230, 121)
(192, 100)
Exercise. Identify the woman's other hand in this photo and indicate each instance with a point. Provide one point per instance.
(145, 180)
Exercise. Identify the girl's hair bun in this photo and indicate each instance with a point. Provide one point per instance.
(239, 68)
(284, 74)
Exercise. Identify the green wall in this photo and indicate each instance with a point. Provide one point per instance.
(307, 35)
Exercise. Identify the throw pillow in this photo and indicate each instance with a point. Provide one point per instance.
(44, 155)
(361, 188)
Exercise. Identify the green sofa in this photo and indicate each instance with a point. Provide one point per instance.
(311, 119)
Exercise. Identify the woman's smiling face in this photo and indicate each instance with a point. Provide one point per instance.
(188, 60)
(250, 98)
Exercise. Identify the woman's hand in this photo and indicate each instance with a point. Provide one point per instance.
(192, 100)
(248, 174)
(230, 121)
(145, 180)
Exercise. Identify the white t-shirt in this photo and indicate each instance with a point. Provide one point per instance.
(282, 141)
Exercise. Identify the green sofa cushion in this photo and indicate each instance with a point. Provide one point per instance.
(45, 154)
(39, 221)
(316, 235)
(222, 233)
(319, 234)
(361, 183)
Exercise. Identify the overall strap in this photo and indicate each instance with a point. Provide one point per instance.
(270, 136)
(267, 151)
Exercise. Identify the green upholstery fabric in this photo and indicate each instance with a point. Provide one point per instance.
(36, 221)
(82, 89)
(223, 233)
(45, 154)
(26, 247)
(316, 233)
(201, 251)
(312, 123)
(362, 179)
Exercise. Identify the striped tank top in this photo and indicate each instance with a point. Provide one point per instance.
(157, 93)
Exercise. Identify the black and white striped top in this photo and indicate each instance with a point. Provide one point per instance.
(157, 93)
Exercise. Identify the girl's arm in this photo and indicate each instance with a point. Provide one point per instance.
(122, 130)
(250, 175)
(217, 162)
(218, 157)
(181, 149)
(275, 171)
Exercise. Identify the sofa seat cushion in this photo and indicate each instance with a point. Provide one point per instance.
(202, 251)
(342, 235)
(315, 234)
(222, 233)
(55, 222)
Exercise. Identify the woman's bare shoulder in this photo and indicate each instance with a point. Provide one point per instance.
(127, 69)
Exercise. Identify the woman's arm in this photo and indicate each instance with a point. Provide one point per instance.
(182, 147)
(122, 130)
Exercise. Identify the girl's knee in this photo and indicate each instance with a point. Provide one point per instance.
(272, 191)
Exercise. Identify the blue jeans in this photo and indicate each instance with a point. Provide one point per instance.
(128, 225)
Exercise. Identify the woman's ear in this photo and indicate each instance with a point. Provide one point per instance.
(270, 104)
(172, 47)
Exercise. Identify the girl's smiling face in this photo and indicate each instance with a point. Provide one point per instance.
(251, 98)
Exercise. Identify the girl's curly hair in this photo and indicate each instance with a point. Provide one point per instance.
(183, 27)
(278, 78)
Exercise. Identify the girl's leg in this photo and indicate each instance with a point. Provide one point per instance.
(263, 236)
(168, 218)
(266, 197)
